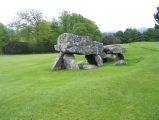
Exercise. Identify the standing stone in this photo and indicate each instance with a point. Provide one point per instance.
(70, 62)
(99, 60)
(58, 62)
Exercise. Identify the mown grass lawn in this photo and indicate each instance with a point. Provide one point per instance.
(29, 90)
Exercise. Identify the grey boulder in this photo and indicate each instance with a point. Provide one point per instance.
(121, 62)
(89, 66)
(114, 49)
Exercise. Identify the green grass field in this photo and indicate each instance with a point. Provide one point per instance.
(29, 90)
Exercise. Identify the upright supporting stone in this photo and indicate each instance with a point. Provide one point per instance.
(58, 62)
(99, 60)
(70, 62)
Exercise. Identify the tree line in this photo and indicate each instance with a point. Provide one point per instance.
(132, 35)
(30, 32)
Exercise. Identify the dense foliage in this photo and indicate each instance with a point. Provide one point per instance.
(129, 35)
(151, 35)
(4, 36)
(132, 35)
(77, 24)
(15, 47)
(110, 39)
(31, 33)
(30, 28)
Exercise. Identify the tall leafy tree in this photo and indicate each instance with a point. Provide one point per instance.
(65, 21)
(4, 36)
(131, 35)
(156, 16)
(120, 35)
(32, 25)
(14, 32)
(56, 30)
(151, 34)
(77, 24)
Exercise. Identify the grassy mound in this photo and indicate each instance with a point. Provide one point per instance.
(30, 90)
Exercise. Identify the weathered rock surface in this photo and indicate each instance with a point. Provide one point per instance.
(112, 53)
(70, 62)
(121, 62)
(70, 43)
(99, 60)
(111, 57)
(114, 49)
(58, 62)
(80, 63)
(89, 66)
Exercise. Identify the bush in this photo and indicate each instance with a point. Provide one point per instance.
(15, 47)
(108, 40)
(45, 46)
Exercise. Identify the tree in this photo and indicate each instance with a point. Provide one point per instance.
(151, 34)
(129, 35)
(120, 35)
(43, 30)
(77, 24)
(64, 21)
(4, 36)
(156, 16)
(56, 30)
(32, 26)
(132, 35)
(110, 39)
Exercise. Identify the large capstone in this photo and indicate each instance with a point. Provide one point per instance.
(114, 49)
(70, 43)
